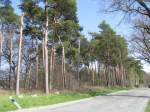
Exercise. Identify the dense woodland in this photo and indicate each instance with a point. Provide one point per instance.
(44, 49)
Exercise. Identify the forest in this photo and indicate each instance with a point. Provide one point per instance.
(44, 49)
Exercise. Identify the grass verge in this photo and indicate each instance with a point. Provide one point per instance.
(148, 107)
(28, 101)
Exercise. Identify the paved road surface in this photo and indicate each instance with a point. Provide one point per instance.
(130, 101)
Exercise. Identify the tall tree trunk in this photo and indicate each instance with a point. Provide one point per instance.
(107, 76)
(10, 68)
(95, 67)
(115, 78)
(93, 74)
(51, 68)
(118, 75)
(122, 75)
(63, 67)
(53, 64)
(19, 56)
(28, 74)
(110, 75)
(125, 77)
(1, 47)
(46, 49)
(104, 75)
(37, 65)
(43, 52)
(78, 72)
(99, 74)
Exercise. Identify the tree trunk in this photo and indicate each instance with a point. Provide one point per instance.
(19, 56)
(99, 74)
(107, 77)
(46, 49)
(51, 71)
(122, 75)
(95, 67)
(93, 74)
(28, 75)
(10, 69)
(114, 75)
(78, 61)
(43, 52)
(53, 64)
(1, 47)
(37, 65)
(104, 75)
(118, 75)
(63, 67)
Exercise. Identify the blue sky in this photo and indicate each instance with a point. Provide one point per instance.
(90, 16)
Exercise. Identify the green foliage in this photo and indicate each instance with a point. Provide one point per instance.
(111, 48)
(63, 20)
(8, 18)
(33, 18)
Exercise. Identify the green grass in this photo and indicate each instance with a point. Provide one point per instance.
(148, 107)
(28, 101)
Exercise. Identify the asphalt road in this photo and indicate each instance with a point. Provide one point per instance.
(130, 101)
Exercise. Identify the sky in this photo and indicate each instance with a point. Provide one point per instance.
(90, 16)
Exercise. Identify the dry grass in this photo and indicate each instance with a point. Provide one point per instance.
(6, 92)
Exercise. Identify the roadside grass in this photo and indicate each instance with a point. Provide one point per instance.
(148, 107)
(28, 101)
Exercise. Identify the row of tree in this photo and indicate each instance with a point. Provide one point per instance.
(136, 12)
(44, 48)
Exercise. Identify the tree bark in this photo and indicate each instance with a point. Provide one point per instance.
(51, 70)
(10, 67)
(46, 49)
(1, 47)
(37, 65)
(43, 52)
(28, 74)
(19, 56)
(53, 64)
(78, 72)
(93, 74)
(63, 66)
